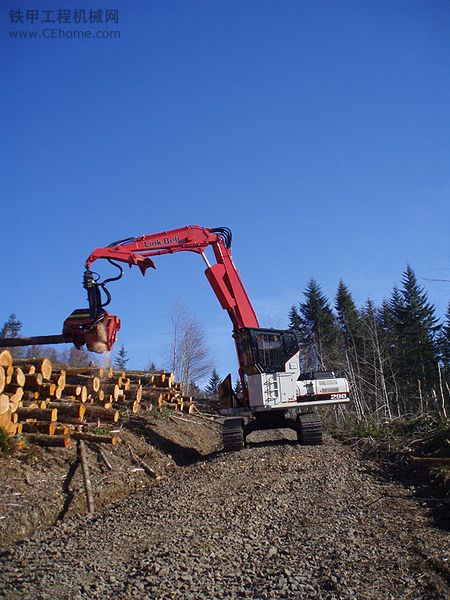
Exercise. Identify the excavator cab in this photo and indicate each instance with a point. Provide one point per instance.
(264, 350)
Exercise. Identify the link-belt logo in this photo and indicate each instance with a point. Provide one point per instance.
(164, 242)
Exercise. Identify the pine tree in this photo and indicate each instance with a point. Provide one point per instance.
(212, 389)
(444, 342)
(295, 321)
(120, 361)
(151, 366)
(12, 327)
(319, 333)
(414, 327)
(238, 388)
(348, 318)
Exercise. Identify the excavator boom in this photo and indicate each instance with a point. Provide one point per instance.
(222, 276)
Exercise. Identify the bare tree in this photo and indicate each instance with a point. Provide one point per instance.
(189, 355)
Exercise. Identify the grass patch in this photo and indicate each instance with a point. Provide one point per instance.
(6, 442)
(425, 436)
(100, 431)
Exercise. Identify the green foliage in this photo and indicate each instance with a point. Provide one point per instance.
(238, 388)
(295, 321)
(318, 332)
(6, 442)
(414, 327)
(347, 316)
(368, 430)
(443, 342)
(212, 389)
(424, 436)
(100, 431)
(120, 361)
(12, 327)
(395, 356)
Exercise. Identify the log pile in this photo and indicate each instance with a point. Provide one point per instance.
(51, 406)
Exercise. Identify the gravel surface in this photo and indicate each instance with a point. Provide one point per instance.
(273, 521)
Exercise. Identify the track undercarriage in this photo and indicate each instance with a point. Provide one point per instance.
(308, 427)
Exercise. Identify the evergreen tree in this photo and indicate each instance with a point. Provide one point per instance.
(444, 342)
(12, 327)
(151, 366)
(212, 389)
(319, 333)
(238, 388)
(347, 316)
(415, 327)
(120, 361)
(295, 321)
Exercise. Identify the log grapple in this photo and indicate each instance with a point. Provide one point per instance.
(93, 326)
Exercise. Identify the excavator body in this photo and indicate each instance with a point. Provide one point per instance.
(275, 394)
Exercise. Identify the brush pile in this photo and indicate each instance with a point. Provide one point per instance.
(51, 406)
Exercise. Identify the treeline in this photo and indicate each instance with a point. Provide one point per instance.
(396, 356)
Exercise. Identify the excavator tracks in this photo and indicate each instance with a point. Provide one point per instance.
(309, 431)
(233, 435)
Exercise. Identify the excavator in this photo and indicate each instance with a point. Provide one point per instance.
(275, 393)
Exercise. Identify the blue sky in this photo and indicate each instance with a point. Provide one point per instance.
(317, 131)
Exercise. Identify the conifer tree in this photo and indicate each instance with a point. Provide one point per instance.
(120, 361)
(295, 321)
(347, 316)
(238, 388)
(415, 327)
(444, 342)
(212, 389)
(319, 333)
(11, 329)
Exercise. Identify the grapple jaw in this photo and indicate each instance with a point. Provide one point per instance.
(99, 333)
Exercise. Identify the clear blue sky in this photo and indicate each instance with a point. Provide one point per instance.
(318, 131)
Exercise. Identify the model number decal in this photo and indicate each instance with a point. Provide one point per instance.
(338, 396)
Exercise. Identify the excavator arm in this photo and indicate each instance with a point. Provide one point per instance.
(100, 329)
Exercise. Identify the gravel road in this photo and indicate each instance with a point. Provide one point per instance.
(273, 521)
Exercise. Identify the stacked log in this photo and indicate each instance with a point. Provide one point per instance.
(41, 401)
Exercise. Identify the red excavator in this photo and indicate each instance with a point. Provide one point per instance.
(275, 394)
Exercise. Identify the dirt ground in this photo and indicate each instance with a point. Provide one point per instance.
(275, 520)
(40, 487)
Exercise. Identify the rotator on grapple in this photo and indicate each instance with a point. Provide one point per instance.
(93, 326)
(275, 394)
